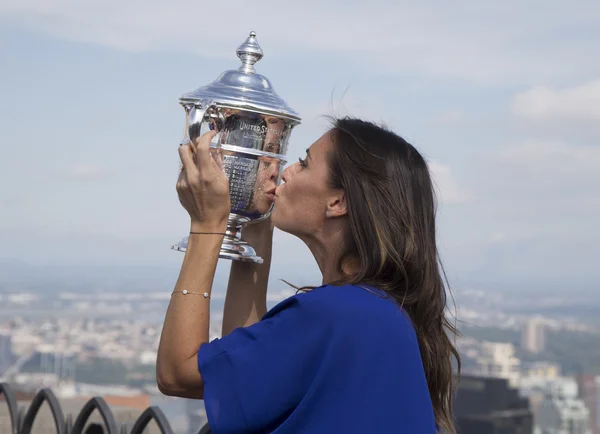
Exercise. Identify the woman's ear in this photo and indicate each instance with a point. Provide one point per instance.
(337, 205)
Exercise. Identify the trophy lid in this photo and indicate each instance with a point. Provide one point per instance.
(243, 88)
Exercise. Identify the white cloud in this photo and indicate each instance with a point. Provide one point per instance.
(554, 163)
(580, 103)
(448, 190)
(465, 39)
(541, 187)
(530, 190)
(535, 219)
(85, 172)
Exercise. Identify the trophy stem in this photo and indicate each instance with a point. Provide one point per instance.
(233, 246)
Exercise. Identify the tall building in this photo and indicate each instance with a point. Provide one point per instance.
(598, 404)
(490, 406)
(561, 411)
(589, 392)
(6, 352)
(533, 337)
(497, 359)
(534, 382)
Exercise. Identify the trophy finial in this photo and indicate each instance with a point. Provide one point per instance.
(249, 53)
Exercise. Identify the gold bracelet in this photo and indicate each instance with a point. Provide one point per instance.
(186, 292)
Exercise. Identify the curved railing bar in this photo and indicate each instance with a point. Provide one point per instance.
(36, 403)
(22, 418)
(95, 403)
(13, 407)
(152, 413)
(205, 429)
(69, 422)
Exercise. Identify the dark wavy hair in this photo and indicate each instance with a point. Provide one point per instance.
(392, 232)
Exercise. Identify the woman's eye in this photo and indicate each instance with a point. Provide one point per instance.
(302, 162)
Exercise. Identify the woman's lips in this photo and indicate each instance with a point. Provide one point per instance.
(272, 194)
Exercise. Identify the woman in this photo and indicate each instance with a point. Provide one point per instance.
(365, 352)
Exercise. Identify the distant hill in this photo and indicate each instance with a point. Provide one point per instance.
(56, 277)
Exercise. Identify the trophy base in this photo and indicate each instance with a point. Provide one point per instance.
(232, 248)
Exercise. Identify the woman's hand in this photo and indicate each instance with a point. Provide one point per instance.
(203, 187)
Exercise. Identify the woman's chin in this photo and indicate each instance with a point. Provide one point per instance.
(275, 216)
(277, 219)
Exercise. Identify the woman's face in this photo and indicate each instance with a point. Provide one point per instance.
(301, 201)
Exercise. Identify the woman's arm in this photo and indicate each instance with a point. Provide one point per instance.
(203, 190)
(246, 299)
(187, 320)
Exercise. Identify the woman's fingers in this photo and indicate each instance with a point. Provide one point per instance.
(187, 158)
(218, 157)
(203, 189)
(203, 157)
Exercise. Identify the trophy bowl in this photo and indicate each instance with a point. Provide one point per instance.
(253, 126)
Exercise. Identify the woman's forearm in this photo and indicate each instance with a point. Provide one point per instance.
(187, 319)
(246, 299)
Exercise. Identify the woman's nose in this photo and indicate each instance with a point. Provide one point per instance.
(287, 173)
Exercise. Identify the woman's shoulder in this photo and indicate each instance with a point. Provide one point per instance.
(349, 296)
(348, 302)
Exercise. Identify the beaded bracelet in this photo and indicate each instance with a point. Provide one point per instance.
(186, 292)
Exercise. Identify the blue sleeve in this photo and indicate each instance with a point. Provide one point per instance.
(255, 376)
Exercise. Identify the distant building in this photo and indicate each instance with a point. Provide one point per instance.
(542, 370)
(535, 380)
(48, 361)
(598, 402)
(497, 359)
(490, 406)
(561, 411)
(533, 337)
(6, 351)
(589, 393)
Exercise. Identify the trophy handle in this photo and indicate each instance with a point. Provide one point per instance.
(196, 115)
(195, 119)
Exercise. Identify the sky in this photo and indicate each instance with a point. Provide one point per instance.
(502, 99)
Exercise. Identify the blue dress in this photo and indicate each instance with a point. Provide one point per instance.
(334, 360)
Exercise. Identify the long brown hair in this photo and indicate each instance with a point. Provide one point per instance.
(392, 232)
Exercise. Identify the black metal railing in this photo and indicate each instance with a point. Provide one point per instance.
(22, 421)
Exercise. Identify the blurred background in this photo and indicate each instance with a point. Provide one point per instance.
(502, 98)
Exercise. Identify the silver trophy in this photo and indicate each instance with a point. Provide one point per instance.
(254, 126)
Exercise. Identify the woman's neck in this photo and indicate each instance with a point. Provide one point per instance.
(328, 251)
